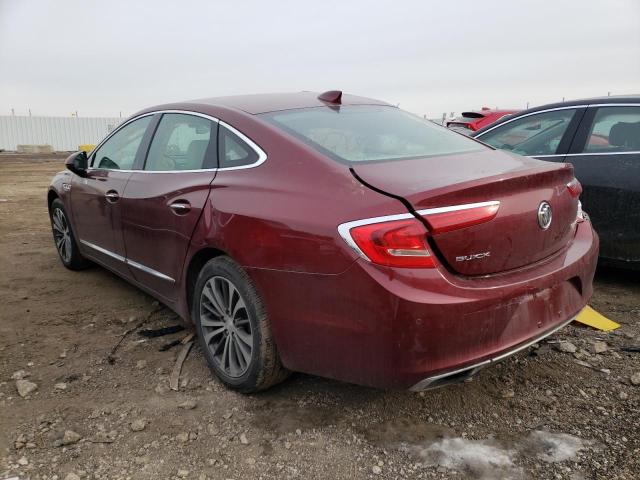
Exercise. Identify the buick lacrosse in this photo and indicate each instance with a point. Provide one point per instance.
(330, 234)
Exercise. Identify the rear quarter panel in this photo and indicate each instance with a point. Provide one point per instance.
(284, 213)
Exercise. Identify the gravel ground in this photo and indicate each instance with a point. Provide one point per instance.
(559, 410)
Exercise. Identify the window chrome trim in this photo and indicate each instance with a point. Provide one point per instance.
(591, 105)
(344, 229)
(529, 114)
(596, 105)
(122, 259)
(590, 154)
(262, 156)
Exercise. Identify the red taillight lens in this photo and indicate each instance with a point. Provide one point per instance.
(575, 188)
(399, 243)
(457, 218)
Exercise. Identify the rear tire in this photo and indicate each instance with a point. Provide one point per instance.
(64, 238)
(234, 329)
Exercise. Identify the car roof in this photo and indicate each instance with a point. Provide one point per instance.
(588, 101)
(633, 98)
(271, 102)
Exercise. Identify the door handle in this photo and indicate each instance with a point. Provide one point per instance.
(180, 208)
(112, 196)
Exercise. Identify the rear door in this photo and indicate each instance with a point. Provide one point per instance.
(96, 201)
(164, 198)
(606, 158)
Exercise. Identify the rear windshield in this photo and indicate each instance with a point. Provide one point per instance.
(365, 133)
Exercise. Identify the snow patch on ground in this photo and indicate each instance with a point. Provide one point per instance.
(479, 459)
(555, 447)
(490, 460)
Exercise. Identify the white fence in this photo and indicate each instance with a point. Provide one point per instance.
(62, 133)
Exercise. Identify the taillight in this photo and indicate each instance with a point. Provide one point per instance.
(401, 240)
(396, 243)
(446, 219)
(575, 188)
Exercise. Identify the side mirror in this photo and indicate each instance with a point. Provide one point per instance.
(77, 163)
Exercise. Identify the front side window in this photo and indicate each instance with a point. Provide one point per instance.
(181, 142)
(119, 151)
(537, 134)
(615, 129)
(363, 133)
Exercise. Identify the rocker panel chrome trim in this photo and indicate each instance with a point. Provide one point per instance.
(122, 259)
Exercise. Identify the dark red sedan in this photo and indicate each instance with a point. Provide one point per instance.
(330, 234)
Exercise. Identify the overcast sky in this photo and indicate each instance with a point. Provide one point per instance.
(110, 56)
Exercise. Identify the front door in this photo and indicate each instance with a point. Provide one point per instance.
(606, 159)
(164, 198)
(96, 200)
(545, 135)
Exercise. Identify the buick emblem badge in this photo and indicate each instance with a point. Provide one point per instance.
(544, 215)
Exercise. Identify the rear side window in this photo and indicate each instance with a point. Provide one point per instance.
(366, 133)
(119, 151)
(615, 129)
(181, 142)
(233, 151)
(537, 134)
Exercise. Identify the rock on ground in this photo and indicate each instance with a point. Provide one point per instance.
(138, 425)
(70, 437)
(25, 387)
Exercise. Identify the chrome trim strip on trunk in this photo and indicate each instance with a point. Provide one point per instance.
(122, 259)
(426, 383)
(344, 229)
(455, 208)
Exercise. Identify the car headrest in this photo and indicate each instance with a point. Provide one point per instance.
(195, 153)
(625, 134)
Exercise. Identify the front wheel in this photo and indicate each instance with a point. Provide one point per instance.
(64, 238)
(234, 329)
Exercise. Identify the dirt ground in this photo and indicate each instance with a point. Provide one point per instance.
(545, 413)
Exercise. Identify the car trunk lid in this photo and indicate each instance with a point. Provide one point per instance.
(510, 239)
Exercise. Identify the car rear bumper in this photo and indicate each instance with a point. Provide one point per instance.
(416, 328)
(466, 373)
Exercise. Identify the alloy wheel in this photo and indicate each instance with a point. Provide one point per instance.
(61, 234)
(226, 328)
